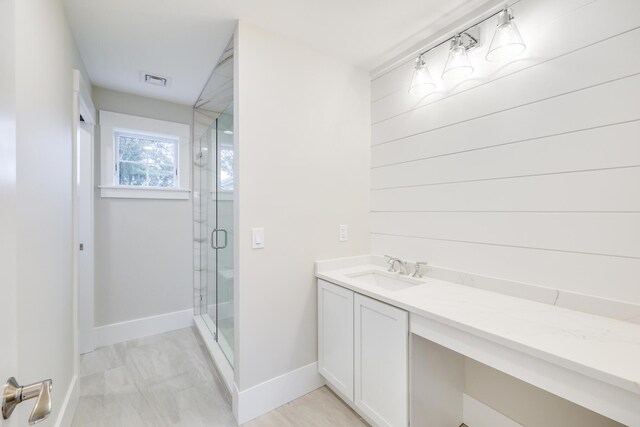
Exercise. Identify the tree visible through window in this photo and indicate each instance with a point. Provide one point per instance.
(146, 161)
(226, 168)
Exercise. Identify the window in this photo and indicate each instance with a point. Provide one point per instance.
(143, 158)
(146, 161)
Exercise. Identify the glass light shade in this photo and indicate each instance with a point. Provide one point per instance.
(421, 84)
(507, 42)
(458, 65)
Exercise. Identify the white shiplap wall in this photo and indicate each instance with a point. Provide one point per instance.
(528, 171)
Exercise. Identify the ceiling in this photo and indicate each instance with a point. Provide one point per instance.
(183, 39)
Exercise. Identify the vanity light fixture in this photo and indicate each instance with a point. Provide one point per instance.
(421, 84)
(458, 65)
(507, 42)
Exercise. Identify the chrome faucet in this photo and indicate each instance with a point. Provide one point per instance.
(392, 265)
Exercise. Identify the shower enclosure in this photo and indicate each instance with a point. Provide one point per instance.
(213, 198)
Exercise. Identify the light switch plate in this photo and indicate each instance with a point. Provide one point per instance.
(343, 234)
(257, 238)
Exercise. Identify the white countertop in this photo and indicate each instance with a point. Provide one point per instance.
(602, 348)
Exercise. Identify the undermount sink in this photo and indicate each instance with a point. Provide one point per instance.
(384, 280)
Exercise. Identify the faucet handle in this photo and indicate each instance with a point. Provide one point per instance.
(390, 261)
(418, 269)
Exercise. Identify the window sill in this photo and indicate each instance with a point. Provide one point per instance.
(145, 193)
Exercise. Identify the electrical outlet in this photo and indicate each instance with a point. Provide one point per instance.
(343, 234)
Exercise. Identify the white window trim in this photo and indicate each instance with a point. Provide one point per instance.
(110, 123)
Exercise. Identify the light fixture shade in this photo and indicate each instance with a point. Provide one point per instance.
(458, 65)
(507, 42)
(421, 84)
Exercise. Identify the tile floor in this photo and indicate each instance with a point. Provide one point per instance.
(169, 380)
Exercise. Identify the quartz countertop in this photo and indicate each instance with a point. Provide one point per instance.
(602, 348)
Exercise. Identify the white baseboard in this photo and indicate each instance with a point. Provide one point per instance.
(140, 328)
(477, 414)
(269, 395)
(68, 410)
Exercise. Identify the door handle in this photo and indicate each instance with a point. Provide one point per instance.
(14, 394)
(224, 245)
(215, 231)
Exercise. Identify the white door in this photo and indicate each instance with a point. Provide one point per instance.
(335, 337)
(8, 303)
(37, 307)
(381, 362)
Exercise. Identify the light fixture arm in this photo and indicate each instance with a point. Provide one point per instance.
(504, 16)
(506, 43)
(474, 40)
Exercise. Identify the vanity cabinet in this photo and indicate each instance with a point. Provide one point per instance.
(381, 362)
(335, 337)
(363, 353)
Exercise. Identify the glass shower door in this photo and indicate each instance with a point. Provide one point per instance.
(222, 235)
(213, 200)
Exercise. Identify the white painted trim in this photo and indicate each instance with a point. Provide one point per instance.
(84, 226)
(144, 193)
(140, 328)
(477, 414)
(85, 103)
(272, 394)
(111, 122)
(68, 409)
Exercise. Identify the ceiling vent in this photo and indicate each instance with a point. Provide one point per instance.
(155, 80)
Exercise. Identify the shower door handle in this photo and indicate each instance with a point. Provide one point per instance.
(215, 245)
(224, 245)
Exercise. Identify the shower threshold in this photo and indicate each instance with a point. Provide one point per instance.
(219, 359)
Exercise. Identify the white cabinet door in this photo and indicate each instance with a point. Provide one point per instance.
(381, 362)
(335, 337)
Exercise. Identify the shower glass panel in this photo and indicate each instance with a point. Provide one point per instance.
(213, 178)
(214, 221)
(224, 220)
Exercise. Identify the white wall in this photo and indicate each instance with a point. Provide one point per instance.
(302, 133)
(144, 250)
(528, 171)
(43, 250)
